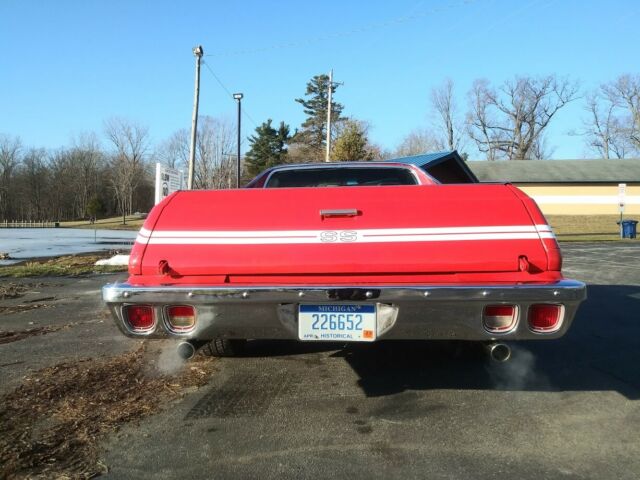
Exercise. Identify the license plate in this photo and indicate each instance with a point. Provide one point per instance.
(337, 322)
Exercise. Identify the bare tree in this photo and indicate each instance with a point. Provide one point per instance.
(480, 119)
(418, 141)
(130, 142)
(624, 93)
(61, 177)
(36, 183)
(541, 150)
(86, 162)
(603, 131)
(507, 122)
(10, 148)
(447, 118)
(174, 152)
(377, 152)
(215, 160)
(612, 128)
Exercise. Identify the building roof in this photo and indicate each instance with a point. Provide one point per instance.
(425, 158)
(446, 166)
(558, 171)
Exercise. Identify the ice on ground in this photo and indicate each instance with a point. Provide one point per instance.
(115, 260)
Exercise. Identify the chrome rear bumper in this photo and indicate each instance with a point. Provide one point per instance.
(410, 312)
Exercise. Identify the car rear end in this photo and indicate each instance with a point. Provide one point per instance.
(467, 262)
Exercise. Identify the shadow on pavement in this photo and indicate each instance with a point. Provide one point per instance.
(287, 348)
(601, 352)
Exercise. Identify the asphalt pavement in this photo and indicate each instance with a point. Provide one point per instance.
(567, 408)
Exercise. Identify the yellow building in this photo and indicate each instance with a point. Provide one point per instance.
(570, 187)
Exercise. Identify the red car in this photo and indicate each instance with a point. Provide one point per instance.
(349, 252)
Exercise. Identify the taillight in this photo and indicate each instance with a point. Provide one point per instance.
(499, 318)
(140, 317)
(545, 318)
(181, 318)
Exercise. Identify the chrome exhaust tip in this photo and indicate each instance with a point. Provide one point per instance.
(186, 350)
(499, 352)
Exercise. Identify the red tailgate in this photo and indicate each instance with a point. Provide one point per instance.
(385, 230)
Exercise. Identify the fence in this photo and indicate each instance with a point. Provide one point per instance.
(25, 224)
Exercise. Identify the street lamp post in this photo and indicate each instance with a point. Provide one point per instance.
(238, 97)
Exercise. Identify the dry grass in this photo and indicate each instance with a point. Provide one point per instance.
(134, 222)
(567, 227)
(70, 265)
(585, 227)
(51, 425)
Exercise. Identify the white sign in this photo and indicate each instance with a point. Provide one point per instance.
(168, 180)
(622, 189)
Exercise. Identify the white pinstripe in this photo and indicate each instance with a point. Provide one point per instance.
(384, 235)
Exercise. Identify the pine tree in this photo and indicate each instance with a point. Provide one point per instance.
(314, 129)
(352, 145)
(268, 147)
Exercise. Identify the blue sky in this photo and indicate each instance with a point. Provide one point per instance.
(67, 66)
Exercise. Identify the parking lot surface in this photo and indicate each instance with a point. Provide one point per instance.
(561, 409)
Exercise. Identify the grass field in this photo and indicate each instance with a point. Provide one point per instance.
(69, 265)
(586, 228)
(568, 228)
(134, 222)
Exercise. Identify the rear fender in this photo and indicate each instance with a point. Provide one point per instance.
(554, 255)
(140, 245)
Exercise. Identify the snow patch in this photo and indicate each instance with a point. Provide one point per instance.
(115, 260)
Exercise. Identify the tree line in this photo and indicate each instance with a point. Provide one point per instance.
(112, 174)
(504, 122)
(78, 182)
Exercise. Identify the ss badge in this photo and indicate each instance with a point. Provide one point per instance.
(342, 236)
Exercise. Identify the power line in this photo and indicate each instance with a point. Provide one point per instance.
(345, 33)
(244, 110)
(479, 33)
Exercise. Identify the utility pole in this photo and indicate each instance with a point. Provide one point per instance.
(238, 97)
(198, 52)
(326, 159)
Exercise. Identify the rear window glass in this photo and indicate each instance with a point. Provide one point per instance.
(341, 177)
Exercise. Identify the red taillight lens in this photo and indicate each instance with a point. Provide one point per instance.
(545, 318)
(140, 317)
(499, 318)
(181, 317)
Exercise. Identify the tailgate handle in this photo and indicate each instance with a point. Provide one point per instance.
(344, 212)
